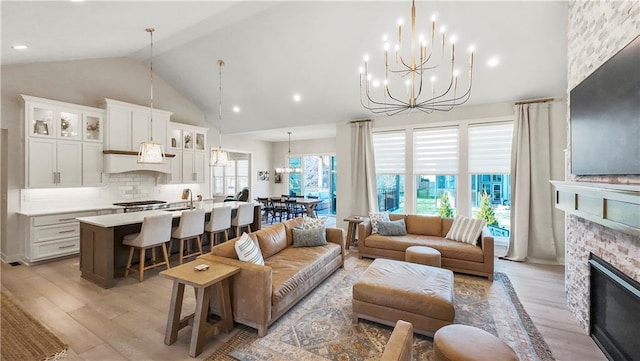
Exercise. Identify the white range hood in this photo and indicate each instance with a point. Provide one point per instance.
(120, 163)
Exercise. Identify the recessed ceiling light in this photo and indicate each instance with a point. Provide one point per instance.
(236, 109)
(493, 61)
(19, 47)
(297, 97)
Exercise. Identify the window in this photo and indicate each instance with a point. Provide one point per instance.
(389, 151)
(230, 179)
(489, 167)
(435, 166)
(317, 179)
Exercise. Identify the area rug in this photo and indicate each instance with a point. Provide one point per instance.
(24, 338)
(319, 327)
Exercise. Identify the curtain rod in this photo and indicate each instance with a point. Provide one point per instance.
(360, 121)
(540, 100)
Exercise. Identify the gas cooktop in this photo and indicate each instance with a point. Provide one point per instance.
(142, 205)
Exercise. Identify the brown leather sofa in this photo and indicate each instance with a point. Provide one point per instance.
(261, 294)
(429, 231)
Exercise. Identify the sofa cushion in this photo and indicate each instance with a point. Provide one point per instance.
(248, 250)
(424, 225)
(313, 223)
(374, 218)
(392, 228)
(309, 237)
(446, 226)
(294, 266)
(466, 230)
(448, 248)
(272, 239)
(292, 223)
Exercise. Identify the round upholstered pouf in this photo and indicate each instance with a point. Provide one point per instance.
(466, 343)
(423, 255)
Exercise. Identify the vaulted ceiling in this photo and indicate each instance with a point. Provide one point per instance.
(274, 50)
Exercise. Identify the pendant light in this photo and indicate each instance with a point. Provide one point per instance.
(151, 152)
(289, 169)
(219, 157)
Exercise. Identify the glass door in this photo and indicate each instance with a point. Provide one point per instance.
(317, 180)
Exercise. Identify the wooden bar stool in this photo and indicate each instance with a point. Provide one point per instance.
(243, 218)
(220, 222)
(155, 232)
(191, 227)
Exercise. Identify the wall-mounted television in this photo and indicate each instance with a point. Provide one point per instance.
(605, 117)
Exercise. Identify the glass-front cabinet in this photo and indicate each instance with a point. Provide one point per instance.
(93, 126)
(50, 122)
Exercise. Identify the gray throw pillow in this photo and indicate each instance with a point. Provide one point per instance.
(308, 238)
(392, 228)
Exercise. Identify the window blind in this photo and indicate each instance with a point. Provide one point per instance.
(490, 148)
(435, 151)
(389, 152)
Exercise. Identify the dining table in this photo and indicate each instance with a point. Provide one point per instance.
(310, 204)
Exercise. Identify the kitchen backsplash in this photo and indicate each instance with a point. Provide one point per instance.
(120, 187)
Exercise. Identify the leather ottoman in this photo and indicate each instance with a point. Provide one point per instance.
(391, 290)
(423, 255)
(467, 343)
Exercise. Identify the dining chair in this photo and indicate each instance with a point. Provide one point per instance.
(243, 218)
(266, 208)
(220, 222)
(191, 227)
(155, 232)
(293, 208)
(279, 209)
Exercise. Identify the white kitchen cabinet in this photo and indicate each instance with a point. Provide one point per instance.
(55, 133)
(92, 165)
(52, 235)
(130, 124)
(189, 143)
(54, 163)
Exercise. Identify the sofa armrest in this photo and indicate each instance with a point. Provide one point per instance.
(250, 290)
(487, 245)
(364, 231)
(400, 344)
(336, 235)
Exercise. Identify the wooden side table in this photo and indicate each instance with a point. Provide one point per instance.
(352, 228)
(218, 276)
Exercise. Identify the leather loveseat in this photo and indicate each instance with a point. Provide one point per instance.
(261, 294)
(429, 231)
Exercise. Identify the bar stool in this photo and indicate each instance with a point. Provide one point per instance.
(243, 218)
(191, 227)
(155, 232)
(220, 222)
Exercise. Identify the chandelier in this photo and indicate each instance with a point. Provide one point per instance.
(150, 151)
(416, 75)
(288, 169)
(219, 156)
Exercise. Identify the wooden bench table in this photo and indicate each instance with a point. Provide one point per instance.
(218, 276)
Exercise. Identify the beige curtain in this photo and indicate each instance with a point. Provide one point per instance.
(532, 227)
(363, 171)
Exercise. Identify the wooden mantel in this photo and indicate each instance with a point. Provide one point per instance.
(616, 206)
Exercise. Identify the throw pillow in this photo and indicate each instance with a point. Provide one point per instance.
(313, 223)
(392, 228)
(248, 250)
(374, 218)
(308, 238)
(466, 230)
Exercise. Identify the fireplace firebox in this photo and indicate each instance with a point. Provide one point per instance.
(615, 311)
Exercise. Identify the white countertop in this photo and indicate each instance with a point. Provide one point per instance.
(121, 219)
(97, 207)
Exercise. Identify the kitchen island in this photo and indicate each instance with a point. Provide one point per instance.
(103, 257)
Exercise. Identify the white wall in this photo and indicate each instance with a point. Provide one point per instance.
(89, 82)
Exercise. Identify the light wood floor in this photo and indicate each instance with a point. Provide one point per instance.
(128, 321)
